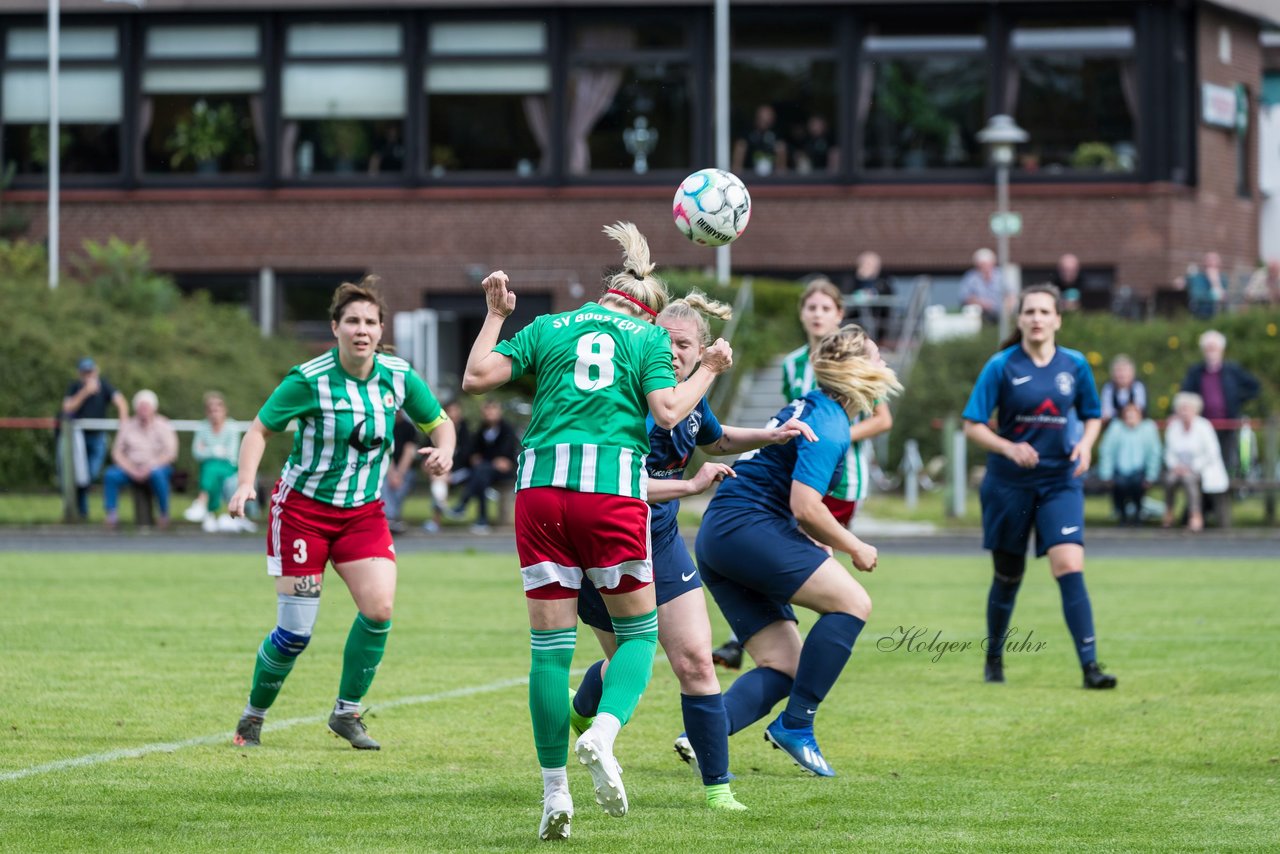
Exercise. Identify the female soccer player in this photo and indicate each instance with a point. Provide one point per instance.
(325, 506)
(580, 496)
(684, 629)
(821, 309)
(1033, 472)
(757, 561)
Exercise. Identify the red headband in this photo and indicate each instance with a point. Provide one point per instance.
(629, 298)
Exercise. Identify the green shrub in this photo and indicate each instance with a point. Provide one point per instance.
(1161, 349)
(141, 331)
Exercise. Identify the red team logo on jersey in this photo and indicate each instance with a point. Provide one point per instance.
(1046, 414)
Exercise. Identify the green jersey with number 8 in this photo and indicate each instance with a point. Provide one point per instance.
(595, 368)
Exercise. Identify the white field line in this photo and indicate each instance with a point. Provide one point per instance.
(270, 726)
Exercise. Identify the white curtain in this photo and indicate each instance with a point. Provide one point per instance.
(537, 115)
(592, 90)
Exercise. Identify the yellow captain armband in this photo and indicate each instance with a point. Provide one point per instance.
(428, 426)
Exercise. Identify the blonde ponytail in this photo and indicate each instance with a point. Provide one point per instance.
(843, 371)
(697, 307)
(636, 280)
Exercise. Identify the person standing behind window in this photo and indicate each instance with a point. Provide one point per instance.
(761, 150)
(88, 397)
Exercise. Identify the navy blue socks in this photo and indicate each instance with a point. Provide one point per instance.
(826, 650)
(1079, 614)
(586, 701)
(753, 695)
(707, 728)
(1009, 569)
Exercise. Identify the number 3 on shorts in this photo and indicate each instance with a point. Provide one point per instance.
(299, 550)
(595, 352)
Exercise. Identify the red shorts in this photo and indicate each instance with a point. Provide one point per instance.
(304, 534)
(842, 510)
(562, 535)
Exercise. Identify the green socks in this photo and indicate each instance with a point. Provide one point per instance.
(552, 656)
(365, 645)
(631, 666)
(269, 672)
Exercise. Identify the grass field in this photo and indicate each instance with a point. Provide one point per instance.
(105, 653)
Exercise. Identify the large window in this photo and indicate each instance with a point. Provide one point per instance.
(343, 100)
(630, 97)
(487, 91)
(783, 99)
(921, 99)
(1074, 90)
(303, 302)
(201, 110)
(90, 101)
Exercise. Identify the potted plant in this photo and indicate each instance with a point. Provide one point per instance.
(345, 142)
(203, 137)
(1095, 156)
(38, 145)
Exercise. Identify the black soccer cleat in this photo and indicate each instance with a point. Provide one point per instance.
(248, 732)
(728, 655)
(1095, 678)
(352, 728)
(993, 670)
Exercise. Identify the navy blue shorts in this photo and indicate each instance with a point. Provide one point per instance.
(1011, 510)
(753, 563)
(673, 575)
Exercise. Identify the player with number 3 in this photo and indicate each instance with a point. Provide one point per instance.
(581, 487)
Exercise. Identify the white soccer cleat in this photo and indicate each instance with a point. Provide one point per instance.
(195, 513)
(557, 812)
(685, 751)
(605, 773)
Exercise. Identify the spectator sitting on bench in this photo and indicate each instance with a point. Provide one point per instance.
(143, 454)
(493, 461)
(1193, 459)
(1129, 457)
(216, 450)
(461, 470)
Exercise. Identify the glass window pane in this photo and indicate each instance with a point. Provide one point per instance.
(1079, 39)
(910, 44)
(509, 78)
(666, 32)
(201, 132)
(74, 43)
(922, 112)
(343, 40)
(84, 96)
(188, 42)
(469, 37)
(304, 301)
(227, 78)
(346, 146)
(85, 148)
(1099, 93)
(782, 114)
(344, 91)
(634, 118)
(495, 131)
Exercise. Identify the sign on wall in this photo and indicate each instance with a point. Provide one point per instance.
(1220, 106)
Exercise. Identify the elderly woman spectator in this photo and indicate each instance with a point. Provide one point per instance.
(983, 286)
(1224, 387)
(1122, 389)
(1129, 457)
(1264, 286)
(1192, 459)
(144, 451)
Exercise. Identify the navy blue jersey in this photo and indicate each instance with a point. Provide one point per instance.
(669, 453)
(1035, 406)
(765, 476)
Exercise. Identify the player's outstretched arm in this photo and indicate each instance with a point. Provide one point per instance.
(251, 448)
(816, 520)
(662, 491)
(670, 406)
(879, 421)
(739, 440)
(487, 369)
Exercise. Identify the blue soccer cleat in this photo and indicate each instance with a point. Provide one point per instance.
(800, 745)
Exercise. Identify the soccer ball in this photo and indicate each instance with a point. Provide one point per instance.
(712, 207)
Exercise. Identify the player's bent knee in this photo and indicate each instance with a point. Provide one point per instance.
(379, 613)
(695, 672)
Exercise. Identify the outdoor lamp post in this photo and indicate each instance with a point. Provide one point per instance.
(1000, 136)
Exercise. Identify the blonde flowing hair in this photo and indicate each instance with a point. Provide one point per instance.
(843, 371)
(636, 278)
(697, 307)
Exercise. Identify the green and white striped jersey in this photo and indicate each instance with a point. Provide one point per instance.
(797, 381)
(595, 368)
(343, 446)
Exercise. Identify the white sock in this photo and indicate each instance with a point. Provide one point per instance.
(607, 727)
(555, 779)
(254, 710)
(342, 707)
(440, 491)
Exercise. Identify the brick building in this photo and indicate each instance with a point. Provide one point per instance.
(266, 148)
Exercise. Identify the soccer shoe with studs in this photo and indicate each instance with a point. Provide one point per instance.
(993, 670)
(352, 728)
(248, 732)
(578, 723)
(557, 812)
(1095, 678)
(728, 655)
(685, 751)
(800, 745)
(605, 773)
(720, 798)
